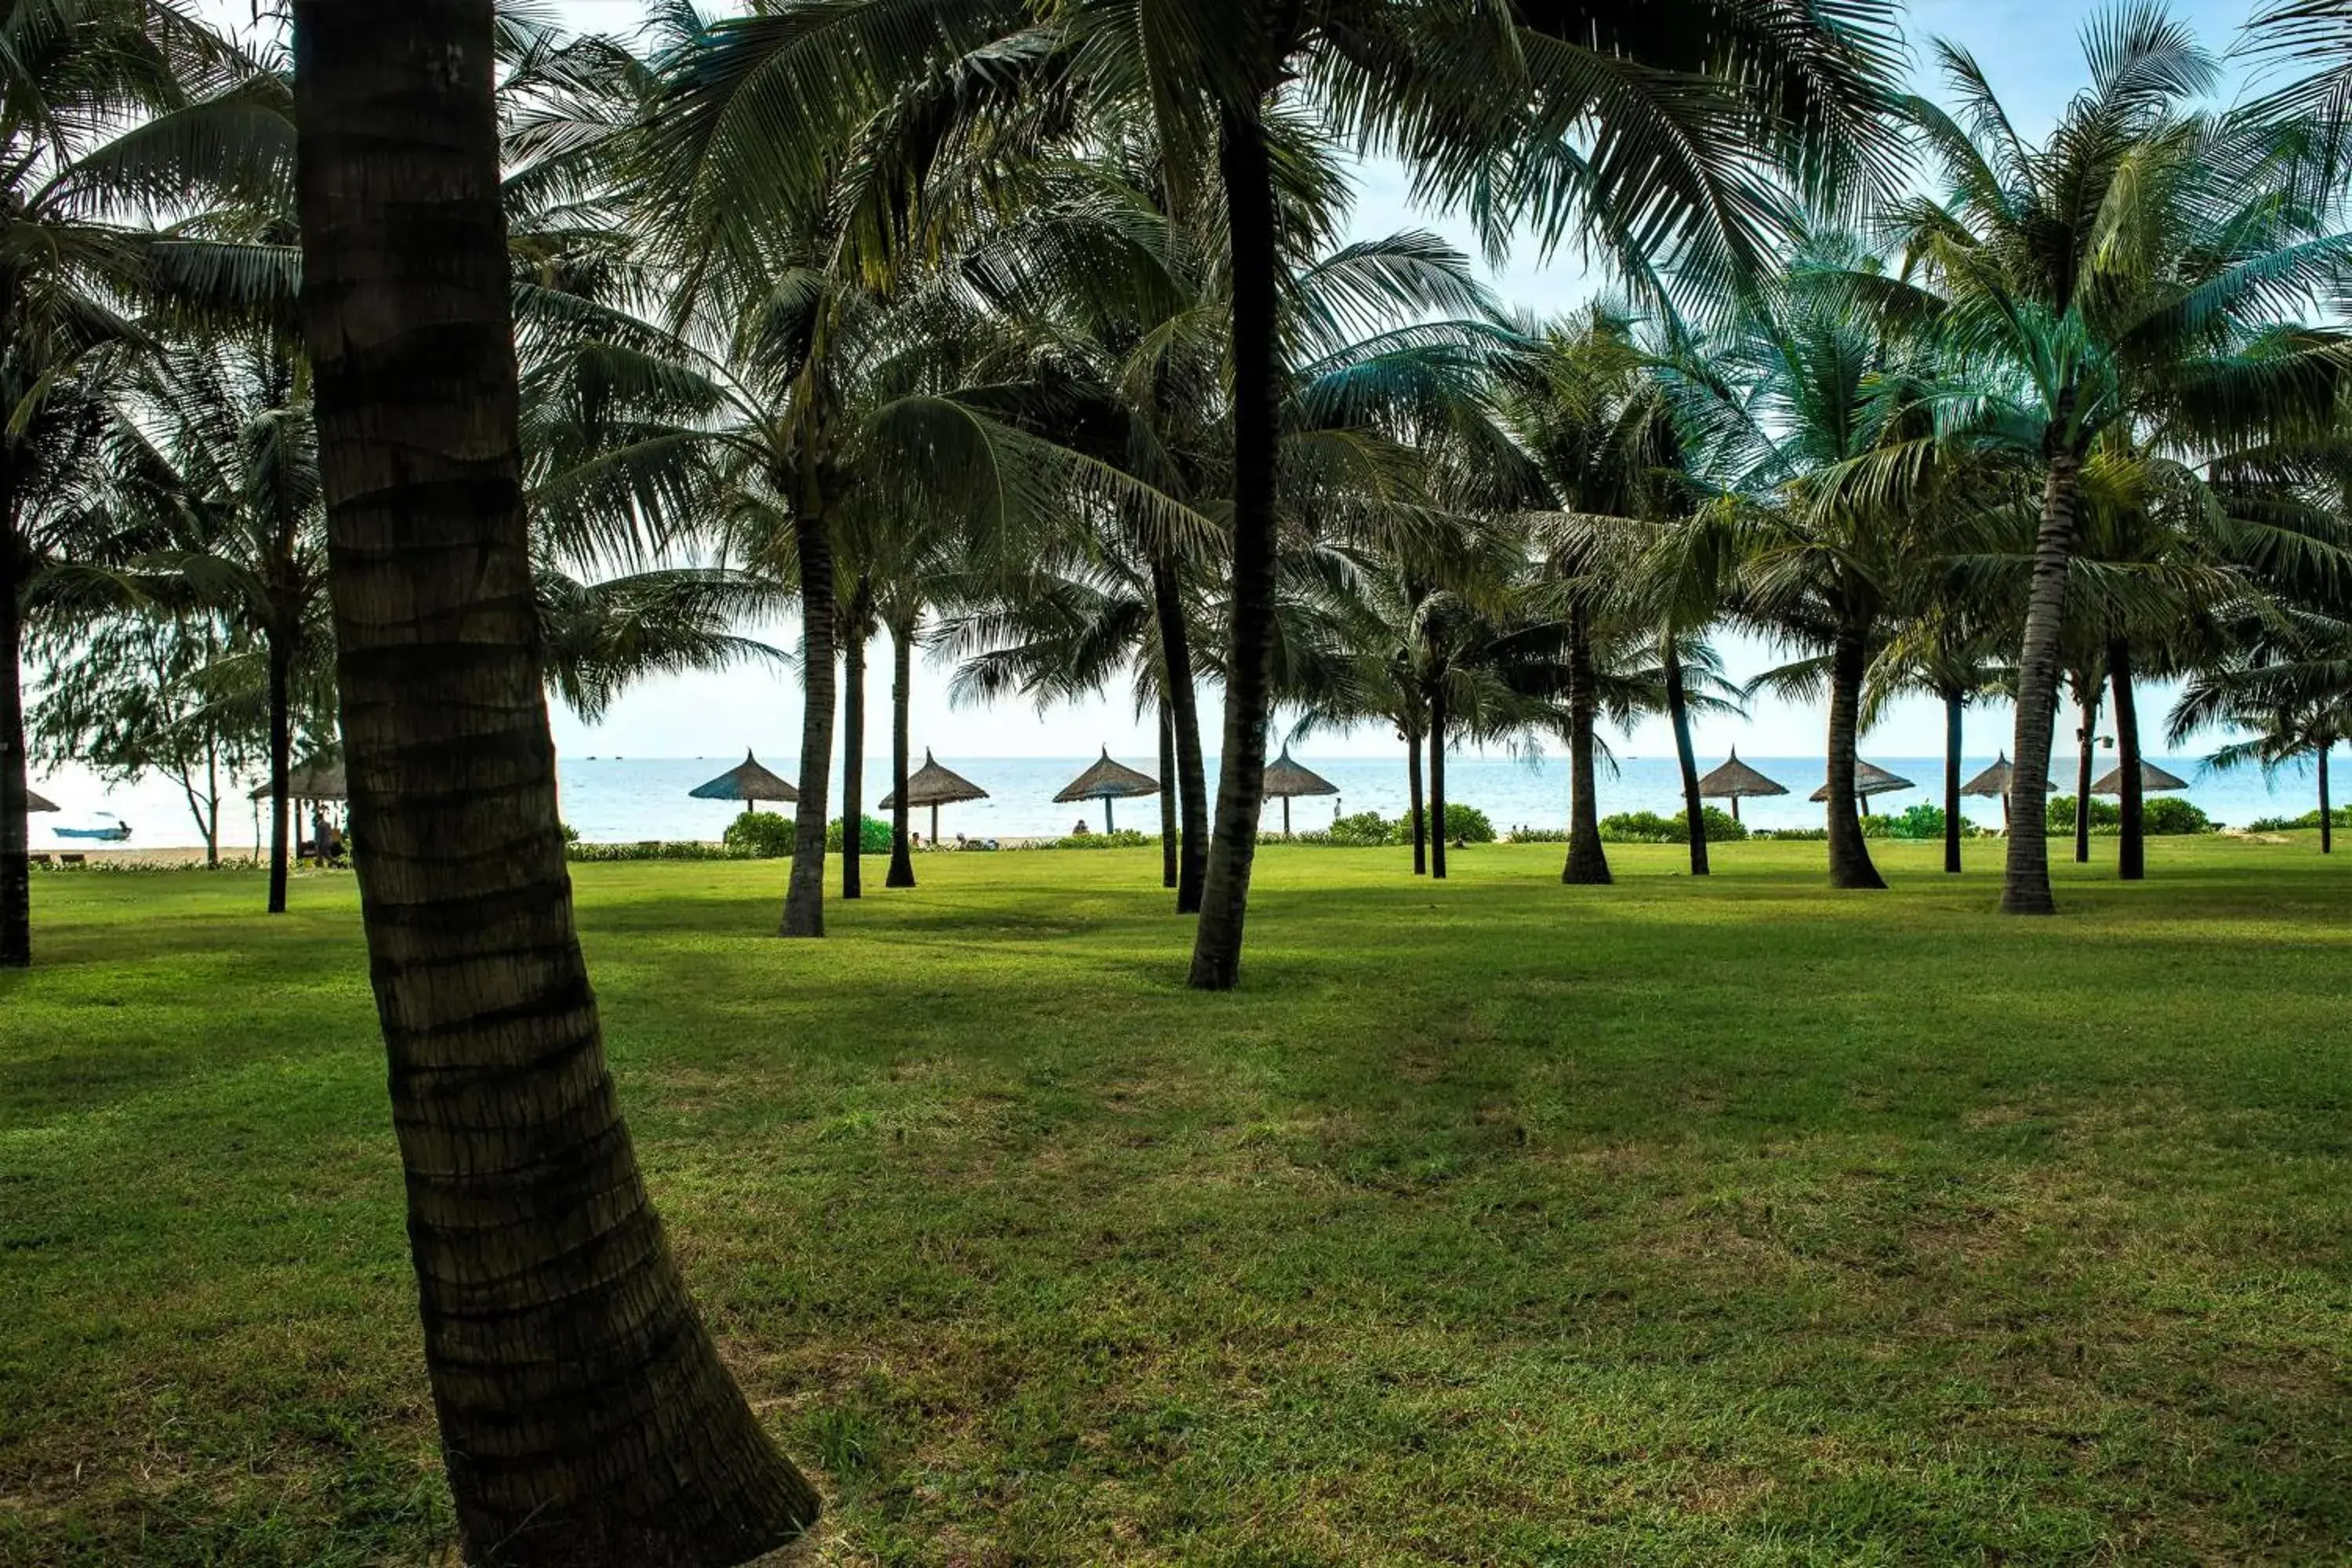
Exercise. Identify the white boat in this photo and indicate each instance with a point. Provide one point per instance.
(102, 827)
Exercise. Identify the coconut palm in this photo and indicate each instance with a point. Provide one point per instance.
(1654, 132)
(2143, 263)
(2294, 697)
(109, 110)
(586, 1415)
(1947, 649)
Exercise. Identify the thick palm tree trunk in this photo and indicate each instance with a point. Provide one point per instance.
(1414, 800)
(1167, 853)
(1184, 706)
(1687, 758)
(15, 839)
(1255, 260)
(1437, 782)
(804, 892)
(2025, 878)
(1953, 702)
(2131, 860)
(1588, 859)
(853, 751)
(281, 762)
(902, 686)
(2086, 755)
(586, 1419)
(1850, 863)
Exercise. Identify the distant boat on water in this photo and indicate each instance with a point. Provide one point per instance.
(103, 827)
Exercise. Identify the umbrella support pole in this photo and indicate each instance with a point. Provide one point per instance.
(935, 827)
(1108, 825)
(1285, 817)
(1735, 808)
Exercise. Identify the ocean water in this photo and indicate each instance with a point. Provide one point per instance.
(617, 800)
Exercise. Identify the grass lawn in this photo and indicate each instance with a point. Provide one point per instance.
(1492, 1221)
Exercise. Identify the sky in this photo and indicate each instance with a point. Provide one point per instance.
(2029, 49)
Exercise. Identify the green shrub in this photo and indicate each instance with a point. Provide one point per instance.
(1463, 825)
(1543, 834)
(2341, 816)
(1124, 838)
(656, 849)
(1366, 828)
(2168, 816)
(1794, 834)
(763, 833)
(872, 837)
(2104, 814)
(1920, 821)
(1654, 827)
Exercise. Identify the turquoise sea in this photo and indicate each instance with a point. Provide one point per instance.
(618, 799)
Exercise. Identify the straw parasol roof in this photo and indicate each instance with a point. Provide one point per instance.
(1287, 778)
(1107, 780)
(2151, 777)
(314, 778)
(1869, 779)
(36, 801)
(748, 782)
(1736, 779)
(932, 784)
(1993, 780)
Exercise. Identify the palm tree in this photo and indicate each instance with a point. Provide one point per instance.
(585, 1415)
(2143, 264)
(1939, 650)
(2296, 709)
(237, 464)
(108, 108)
(1694, 102)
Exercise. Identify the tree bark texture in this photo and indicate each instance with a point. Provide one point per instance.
(1437, 743)
(2327, 824)
(585, 1417)
(1416, 804)
(853, 749)
(2131, 859)
(1687, 758)
(15, 839)
(1184, 704)
(1243, 161)
(1588, 859)
(1850, 862)
(902, 692)
(281, 760)
(805, 890)
(2086, 760)
(1953, 705)
(2025, 876)
(1168, 849)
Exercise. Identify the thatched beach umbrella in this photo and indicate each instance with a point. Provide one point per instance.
(33, 803)
(748, 782)
(1108, 781)
(2151, 779)
(1993, 780)
(1736, 781)
(316, 778)
(1287, 778)
(934, 787)
(1869, 779)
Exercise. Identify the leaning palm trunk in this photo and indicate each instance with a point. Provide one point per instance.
(2025, 879)
(1850, 863)
(1952, 733)
(1242, 160)
(2132, 856)
(586, 1417)
(2086, 742)
(1184, 719)
(1693, 808)
(853, 751)
(1167, 728)
(805, 892)
(1588, 860)
(1437, 782)
(1414, 800)
(902, 681)
(15, 858)
(281, 762)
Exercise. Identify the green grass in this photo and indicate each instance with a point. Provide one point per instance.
(1490, 1222)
